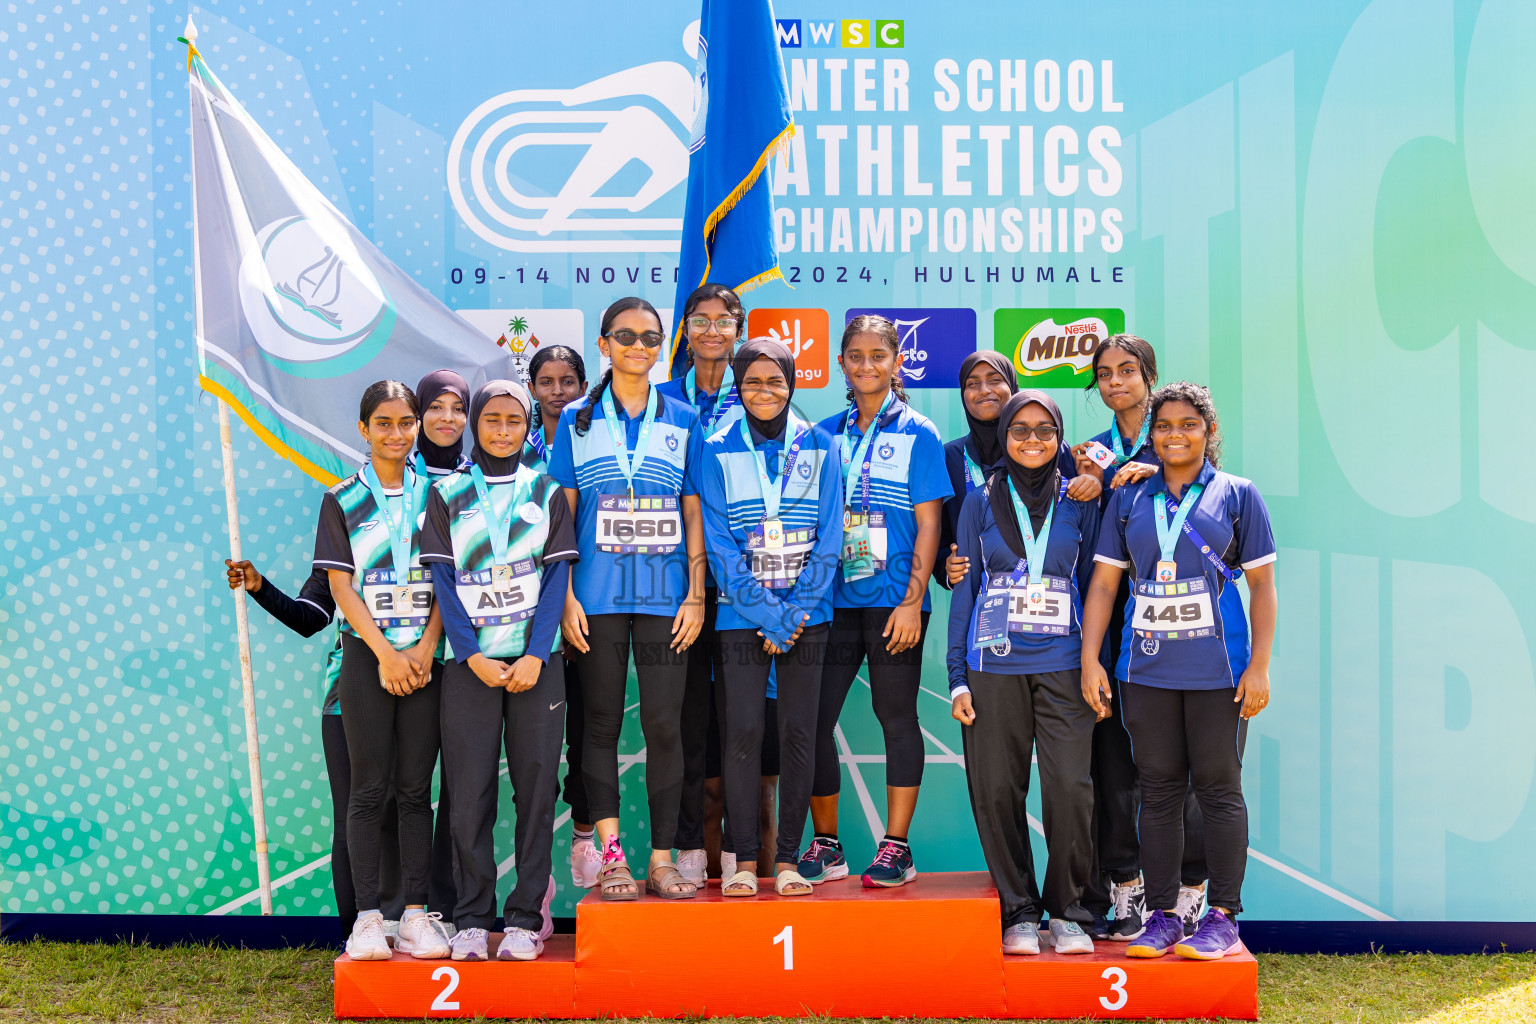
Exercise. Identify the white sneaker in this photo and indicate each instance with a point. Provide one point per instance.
(547, 928)
(1022, 939)
(694, 866)
(470, 944)
(422, 936)
(367, 939)
(1190, 908)
(585, 862)
(1069, 937)
(727, 865)
(520, 944)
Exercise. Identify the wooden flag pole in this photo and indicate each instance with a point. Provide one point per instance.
(247, 678)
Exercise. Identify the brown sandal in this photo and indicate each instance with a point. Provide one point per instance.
(663, 877)
(610, 877)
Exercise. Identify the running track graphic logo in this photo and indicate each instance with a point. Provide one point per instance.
(643, 115)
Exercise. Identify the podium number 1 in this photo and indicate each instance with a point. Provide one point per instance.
(1116, 978)
(787, 937)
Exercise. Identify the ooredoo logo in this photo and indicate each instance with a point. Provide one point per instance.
(804, 332)
(1053, 348)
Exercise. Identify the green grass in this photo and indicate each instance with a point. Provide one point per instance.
(47, 981)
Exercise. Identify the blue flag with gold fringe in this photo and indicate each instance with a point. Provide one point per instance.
(743, 117)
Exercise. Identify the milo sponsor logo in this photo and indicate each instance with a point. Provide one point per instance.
(1054, 347)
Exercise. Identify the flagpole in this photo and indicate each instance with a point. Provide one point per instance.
(242, 623)
(247, 677)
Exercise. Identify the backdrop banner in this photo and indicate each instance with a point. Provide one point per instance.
(1321, 209)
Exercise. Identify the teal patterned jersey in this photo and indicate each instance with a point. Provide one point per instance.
(331, 703)
(354, 537)
(501, 612)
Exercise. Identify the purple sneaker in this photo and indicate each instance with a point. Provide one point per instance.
(1215, 938)
(1162, 931)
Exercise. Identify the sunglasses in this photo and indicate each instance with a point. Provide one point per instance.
(650, 339)
(1022, 431)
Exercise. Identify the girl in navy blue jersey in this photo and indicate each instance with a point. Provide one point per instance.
(1189, 674)
(1014, 647)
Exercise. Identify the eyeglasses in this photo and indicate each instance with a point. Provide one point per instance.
(650, 339)
(1022, 431)
(726, 326)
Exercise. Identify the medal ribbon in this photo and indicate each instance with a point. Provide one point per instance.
(863, 453)
(399, 534)
(1181, 523)
(974, 476)
(773, 496)
(724, 398)
(1034, 548)
(1121, 455)
(629, 462)
(500, 529)
(1168, 534)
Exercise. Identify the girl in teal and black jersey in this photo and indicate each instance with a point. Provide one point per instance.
(368, 539)
(500, 538)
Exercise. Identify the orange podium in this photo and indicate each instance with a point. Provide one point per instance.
(929, 949)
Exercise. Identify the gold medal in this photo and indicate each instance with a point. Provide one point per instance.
(1167, 572)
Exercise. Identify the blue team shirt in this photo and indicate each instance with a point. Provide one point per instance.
(1109, 650)
(961, 484)
(704, 404)
(731, 492)
(1074, 528)
(606, 582)
(1231, 517)
(906, 469)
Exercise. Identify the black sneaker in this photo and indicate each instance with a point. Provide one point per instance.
(1130, 907)
(1098, 928)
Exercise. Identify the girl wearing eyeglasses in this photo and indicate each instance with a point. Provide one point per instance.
(987, 381)
(1014, 647)
(894, 485)
(621, 454)
(713, 318)
(1188, 675)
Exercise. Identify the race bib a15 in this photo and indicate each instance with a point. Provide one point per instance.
(495, 602)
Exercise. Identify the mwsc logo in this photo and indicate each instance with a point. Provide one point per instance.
(632, 131)
(853, 33)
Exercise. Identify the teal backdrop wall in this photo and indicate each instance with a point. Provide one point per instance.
(1322, 209)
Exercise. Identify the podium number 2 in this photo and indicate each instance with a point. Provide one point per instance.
(442, 1002)
(1116, 978)
(787, 937)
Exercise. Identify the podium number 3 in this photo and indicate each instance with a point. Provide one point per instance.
(442, 1002)
(1116, 978)
(787, 937)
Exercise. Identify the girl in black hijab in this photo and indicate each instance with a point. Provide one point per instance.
(500, 539)
(444, 400)
(772, 491)
(1014, 647)
(987, 381)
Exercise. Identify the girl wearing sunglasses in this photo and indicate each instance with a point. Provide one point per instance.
(621, 454)
(1015, 642)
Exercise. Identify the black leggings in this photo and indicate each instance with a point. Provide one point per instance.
(575, 791)
(893, 684)
(746, 683)
(481, 722)
(1182, 738)
(333, 737)
(389, 739)
(663, 675)
(705, 666)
